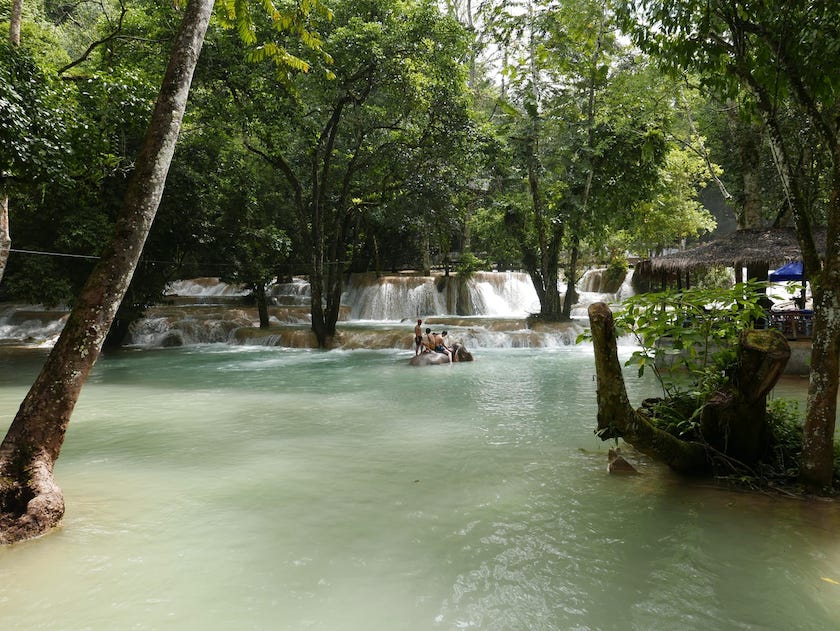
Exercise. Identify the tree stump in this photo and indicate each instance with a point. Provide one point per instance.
(733, 421)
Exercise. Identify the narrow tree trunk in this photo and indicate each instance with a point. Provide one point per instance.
(571, 271)
(821, 409)
(14, 22)
(5, 233)
(30, 501)
(262, 304)
(316, 302)
(335, 284)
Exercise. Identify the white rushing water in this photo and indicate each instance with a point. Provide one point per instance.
(489, 311)
(221, 487)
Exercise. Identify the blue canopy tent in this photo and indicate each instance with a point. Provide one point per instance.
(788, 271)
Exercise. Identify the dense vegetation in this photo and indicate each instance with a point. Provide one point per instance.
(413, 133)
(692, 340)
(323, 138)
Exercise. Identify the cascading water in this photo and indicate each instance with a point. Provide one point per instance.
(395, 298)
(32, 324)
(489, 310)
(506, 294)
(595, 286)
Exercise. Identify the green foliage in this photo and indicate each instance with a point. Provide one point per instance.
(673, 212)
(41, 281)
(717, 277)
(34, 119)
(784, 422)
(469, 264)
(617, 270)
(695, 329)
(273, 30)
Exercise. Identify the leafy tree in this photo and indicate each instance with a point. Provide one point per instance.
(356, 135)
(30, 500)
(777, 52)
(701, 327)
(673, 213)
(587, 124)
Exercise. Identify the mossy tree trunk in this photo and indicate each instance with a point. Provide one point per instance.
(733, 421)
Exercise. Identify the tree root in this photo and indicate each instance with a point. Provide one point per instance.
(29, 510)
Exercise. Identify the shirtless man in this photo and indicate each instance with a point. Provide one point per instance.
(440, 345)
(418, 337)
(429, 340)
(453, 355)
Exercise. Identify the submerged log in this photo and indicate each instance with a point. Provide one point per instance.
(733, 422)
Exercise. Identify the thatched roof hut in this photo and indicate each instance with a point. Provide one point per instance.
(770, 246)
(763, 248)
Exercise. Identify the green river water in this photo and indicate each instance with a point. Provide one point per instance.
(221, 487)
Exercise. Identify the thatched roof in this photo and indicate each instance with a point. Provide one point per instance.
(770, 246)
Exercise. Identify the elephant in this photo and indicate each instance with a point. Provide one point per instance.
(460, 354)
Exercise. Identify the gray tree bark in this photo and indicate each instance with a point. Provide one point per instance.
(30, 500)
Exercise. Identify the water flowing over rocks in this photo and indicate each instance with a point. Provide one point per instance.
(488, 310)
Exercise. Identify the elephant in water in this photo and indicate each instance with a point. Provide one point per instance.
(460, 354)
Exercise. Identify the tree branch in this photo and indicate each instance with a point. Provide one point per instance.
(114, 35)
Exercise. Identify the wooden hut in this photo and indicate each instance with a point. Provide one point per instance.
(757, 250)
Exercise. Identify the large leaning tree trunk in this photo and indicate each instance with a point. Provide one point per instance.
(30, 501)
(732, 423)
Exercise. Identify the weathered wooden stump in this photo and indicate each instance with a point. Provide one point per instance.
(733, 421)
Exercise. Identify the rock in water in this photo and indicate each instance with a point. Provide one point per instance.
(616, 462)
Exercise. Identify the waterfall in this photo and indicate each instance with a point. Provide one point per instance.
(503, 294)
(295, 293)
(31, 324)
(493, 308)
(594, 286)
(394, 298)
(626, 290)
(208, 286)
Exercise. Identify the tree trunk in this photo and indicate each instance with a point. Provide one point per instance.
(733, 422)
(262, 304)
(316, 300)
(14, 22)
(618, 419)
(335, 284)
(5, 234)
(30, 501)
(821, 408)
(571, 272)
(551, 306)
